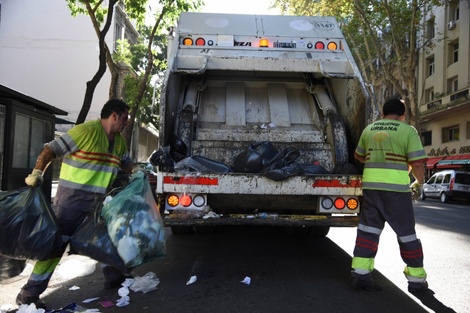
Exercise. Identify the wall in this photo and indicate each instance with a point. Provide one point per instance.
(47, 54)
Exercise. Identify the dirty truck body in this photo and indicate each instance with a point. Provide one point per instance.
(234, 80)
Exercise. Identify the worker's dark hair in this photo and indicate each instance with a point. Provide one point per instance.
(394, 106)
(114, 105)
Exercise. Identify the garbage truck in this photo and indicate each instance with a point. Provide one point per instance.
(259, 118)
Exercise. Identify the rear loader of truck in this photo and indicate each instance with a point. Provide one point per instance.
(240, 85)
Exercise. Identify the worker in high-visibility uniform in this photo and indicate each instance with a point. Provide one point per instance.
(389, 149)
(93, 153)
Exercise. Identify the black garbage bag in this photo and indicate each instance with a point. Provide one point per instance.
(282, 165)
(163, 159)
(199, 164)
(255, 157)
(28, 227)
(178, 149)
(313, 169)
(284, 172)
(10, 267)
(92, 239)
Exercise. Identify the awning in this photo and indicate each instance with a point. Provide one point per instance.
(459, 159)
(433, 161)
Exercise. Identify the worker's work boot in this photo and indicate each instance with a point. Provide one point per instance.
(417, 287)
(365, 282)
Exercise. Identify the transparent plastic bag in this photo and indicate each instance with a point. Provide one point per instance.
(134, 223)
(28, 225)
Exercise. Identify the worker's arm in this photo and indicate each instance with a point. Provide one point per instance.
(360, 158)
(417, 169)
(43, 161)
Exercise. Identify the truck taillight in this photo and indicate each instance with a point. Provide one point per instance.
(451, 185)
(352, 204)
(340, 203)
(319, 45)
(332, 204)
(185, 201)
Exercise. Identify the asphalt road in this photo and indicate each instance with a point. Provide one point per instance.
(288, 274)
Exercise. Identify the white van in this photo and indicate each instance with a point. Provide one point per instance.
(447, 185)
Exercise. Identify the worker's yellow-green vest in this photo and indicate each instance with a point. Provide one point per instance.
(94, 166)
(389, 146)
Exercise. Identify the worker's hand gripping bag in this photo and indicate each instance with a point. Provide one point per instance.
(134, 223)
(28, 226)
(91, 239)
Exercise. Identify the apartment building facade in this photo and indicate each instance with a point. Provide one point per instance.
(48, 54)
(443, 78)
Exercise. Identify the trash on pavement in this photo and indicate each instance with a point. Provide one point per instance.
(74, 287)
(123, 292)
(246, 280)
(90, 300)
(146, 283)
(192, 280)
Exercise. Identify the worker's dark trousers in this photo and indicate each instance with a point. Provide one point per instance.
(68, 220)
(395, 208)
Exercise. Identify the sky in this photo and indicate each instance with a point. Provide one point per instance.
(238, 6)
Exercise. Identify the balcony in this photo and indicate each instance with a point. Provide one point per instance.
(455, 103)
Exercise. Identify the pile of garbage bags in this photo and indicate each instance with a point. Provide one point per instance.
(260, 157)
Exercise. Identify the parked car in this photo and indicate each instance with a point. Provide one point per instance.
(447, 185)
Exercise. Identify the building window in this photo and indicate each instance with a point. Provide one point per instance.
(455, 52)
(450, 134)
(430, 65)
(452, 84)
(118, 30)
(430, 30)
(427, 138)
(454, 12)
(429, 95)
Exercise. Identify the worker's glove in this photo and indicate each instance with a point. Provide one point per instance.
(416, 190)
(35, 178)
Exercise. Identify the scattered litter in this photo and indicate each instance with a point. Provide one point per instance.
(24, 308)
(246, 280)
(90, 300)
(106, 304)
(123, 292)
(211, 214)
(74, 287)
(146, 283)
(192, 280)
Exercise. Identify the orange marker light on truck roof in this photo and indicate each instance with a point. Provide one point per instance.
(263, 42)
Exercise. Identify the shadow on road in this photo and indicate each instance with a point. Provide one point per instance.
(288, 274)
